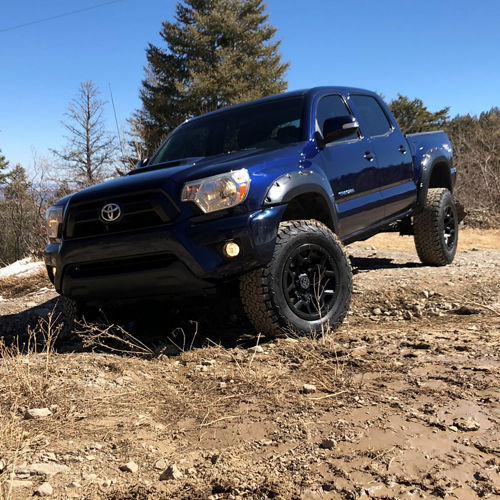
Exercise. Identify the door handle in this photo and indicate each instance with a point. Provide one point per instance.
(368, 156)
(402, 149)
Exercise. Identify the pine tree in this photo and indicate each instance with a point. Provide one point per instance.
(3, 167)
(218, 53)
(413, 116)
(90, 151)
(16, 217)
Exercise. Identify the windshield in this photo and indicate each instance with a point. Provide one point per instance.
(270, 124)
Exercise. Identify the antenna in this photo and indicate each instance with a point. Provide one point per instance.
(116, 122)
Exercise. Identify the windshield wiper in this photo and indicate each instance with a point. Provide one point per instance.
(231, 151)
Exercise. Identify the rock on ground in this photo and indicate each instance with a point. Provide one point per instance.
(44, 490)
(38, 413)
(172, 472)
(130, 467)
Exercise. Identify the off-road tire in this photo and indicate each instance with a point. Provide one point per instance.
(72, 312)
(436, 228)
(266, 298)
(69, 316)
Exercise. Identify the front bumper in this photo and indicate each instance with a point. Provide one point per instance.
(181, 258)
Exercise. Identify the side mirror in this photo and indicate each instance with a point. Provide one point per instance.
(339, 128)
(142, 162)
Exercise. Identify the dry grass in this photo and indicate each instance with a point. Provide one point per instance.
(14, 286)
(27, 367)
(112, 338)
(236, 375)
(209, 384)
(26, 378)
(186, 387)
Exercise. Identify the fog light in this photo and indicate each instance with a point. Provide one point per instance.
(231, 249)
(54, 271)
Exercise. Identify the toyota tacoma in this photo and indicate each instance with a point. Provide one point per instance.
(266, 193)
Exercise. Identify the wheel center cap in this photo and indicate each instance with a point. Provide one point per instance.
(304, 281)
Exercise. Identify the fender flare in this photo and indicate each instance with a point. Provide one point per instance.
(292, 184)
(428, 165)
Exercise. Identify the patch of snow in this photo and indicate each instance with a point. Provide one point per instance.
(22, 268)
(41, 291)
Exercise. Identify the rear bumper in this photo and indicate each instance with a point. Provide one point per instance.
(183, 258)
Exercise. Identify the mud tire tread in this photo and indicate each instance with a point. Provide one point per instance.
(428, 235)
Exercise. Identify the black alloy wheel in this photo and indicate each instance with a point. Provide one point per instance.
(450, 227)
(309, 281)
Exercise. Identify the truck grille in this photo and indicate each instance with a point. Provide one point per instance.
(118, 266)
(140, 211)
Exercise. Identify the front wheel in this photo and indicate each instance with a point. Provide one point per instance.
(71, 313)
(305, 288)
(436, 228)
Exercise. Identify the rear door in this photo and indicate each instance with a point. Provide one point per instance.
(392, 153)
(351, 169)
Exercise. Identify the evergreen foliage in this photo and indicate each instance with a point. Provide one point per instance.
(3, 167)
(218, 53)
(22, 230)
(413, 116)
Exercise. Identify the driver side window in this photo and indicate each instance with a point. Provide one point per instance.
(332, 106)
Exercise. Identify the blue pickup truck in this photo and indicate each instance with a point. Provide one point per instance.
(266, 193)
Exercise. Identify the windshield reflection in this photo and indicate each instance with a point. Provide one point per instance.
(269, 125)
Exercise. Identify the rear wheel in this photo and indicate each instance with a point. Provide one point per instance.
(436, 228)
(305, 288)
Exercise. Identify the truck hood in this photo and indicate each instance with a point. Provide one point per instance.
(171, 176)
(196, 168)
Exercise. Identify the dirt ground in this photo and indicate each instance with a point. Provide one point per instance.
(402, 401)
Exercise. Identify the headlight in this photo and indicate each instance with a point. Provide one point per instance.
(218, 192)
(54, 217)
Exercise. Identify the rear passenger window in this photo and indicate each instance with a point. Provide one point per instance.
(371, 115)
(332, 106)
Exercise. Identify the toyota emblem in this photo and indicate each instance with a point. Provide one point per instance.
(111, 212)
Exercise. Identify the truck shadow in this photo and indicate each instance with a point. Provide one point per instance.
(18, 325)
(363, 264)
(162, 327)
(192, 323)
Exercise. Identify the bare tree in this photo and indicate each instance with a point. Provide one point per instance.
(476, 150)
(91, 151)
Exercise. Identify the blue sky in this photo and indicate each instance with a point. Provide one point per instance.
(445, 52)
